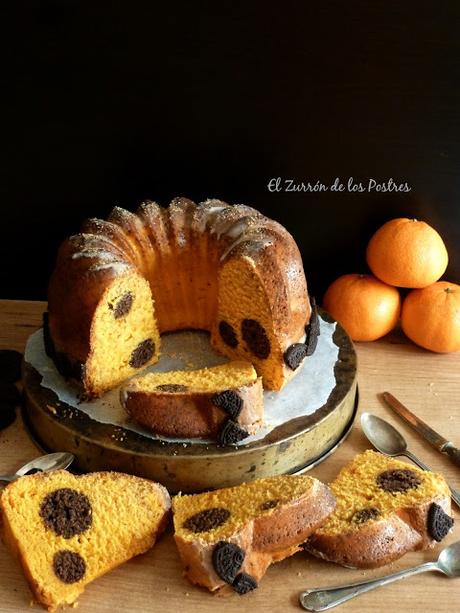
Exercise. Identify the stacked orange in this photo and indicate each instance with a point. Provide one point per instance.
(403, 253)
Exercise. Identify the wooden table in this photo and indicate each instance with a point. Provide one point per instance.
(427, 382)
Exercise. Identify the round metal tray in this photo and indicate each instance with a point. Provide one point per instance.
(295, 446)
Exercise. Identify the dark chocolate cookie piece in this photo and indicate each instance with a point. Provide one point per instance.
(230, 401)
(312, 329)
(66, 512)
(142, 354)
(206, 520)
(7, 415)
(9, 395)
(269, 504)
(256, 338)
(231, 434)
(364, 515)
(294, 355)
(69, 566)
(439, 523)
(244, 583)
(314, 323)
(228, 334)
(123, 306)
(10, 365)
(171, 388)
(227, 559)
(398, 480)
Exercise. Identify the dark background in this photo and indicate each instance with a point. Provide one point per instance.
(108, 103)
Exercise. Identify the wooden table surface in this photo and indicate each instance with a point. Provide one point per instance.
(426, 382)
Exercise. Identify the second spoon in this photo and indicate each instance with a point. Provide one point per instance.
(389, 441)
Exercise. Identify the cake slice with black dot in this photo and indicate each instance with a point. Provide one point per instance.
(68, 530)
(385, 508)
(227, 538)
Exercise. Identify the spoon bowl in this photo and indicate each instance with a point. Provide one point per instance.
(449, 560)
(383, 435)
(45, 463)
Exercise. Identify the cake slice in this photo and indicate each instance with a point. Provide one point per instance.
(67, 530)
(223, 402)
(227, 538)
(385, 508)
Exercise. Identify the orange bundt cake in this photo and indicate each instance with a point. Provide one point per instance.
(66, 531)
(226, 269)
(227, 538)
(385, 508)
(223, 402)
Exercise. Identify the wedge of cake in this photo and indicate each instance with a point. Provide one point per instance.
(223, 402)
(385, 508)
(227, 538)
(66, 531)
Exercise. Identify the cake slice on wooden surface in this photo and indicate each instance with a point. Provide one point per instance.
(224, 402)
(385, 508)
(227, 538)
(67, 530)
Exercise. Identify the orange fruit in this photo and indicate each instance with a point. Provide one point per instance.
(431, 317)
(407, 253)
(366, 307)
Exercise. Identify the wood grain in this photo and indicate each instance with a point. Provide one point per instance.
(428, 383)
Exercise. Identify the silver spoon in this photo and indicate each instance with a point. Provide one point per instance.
(45, 463)
(448, 563)
(389, 441)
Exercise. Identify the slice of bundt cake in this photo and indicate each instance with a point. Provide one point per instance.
(68, 530)
(224, 402)
(385, 508)
(227, 538)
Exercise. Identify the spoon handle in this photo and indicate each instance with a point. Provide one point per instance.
(415, 460)
(8, 478)
(324, 599)
(454, 494)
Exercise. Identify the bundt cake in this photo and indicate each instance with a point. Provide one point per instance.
(227, 538)
(67, 530)
(226, 269)
(385, 508)
(223, 402)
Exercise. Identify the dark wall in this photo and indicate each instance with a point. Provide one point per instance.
(112, 102)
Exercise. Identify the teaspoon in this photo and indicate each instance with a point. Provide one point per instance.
(45, 463)
(389, 441)
(316, 599)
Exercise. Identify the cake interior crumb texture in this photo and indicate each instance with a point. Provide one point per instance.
(217, 378)
(244, 503)
(122, 514)
(243, 299)
(356, 489)
(116, 338)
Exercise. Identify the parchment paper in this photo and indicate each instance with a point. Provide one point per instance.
(304, 394)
